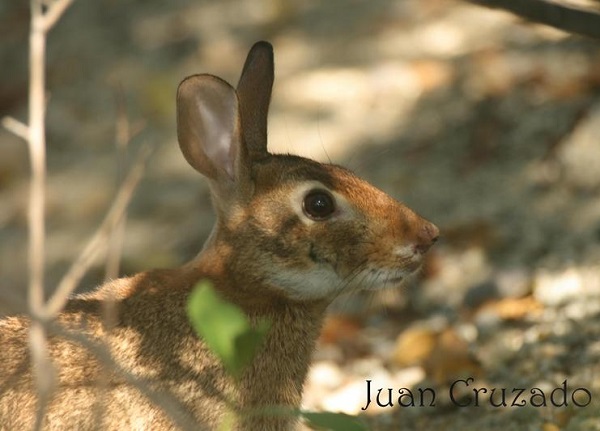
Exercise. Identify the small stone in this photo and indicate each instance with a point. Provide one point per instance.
(326, 374)
(555, 288)
(348, 399)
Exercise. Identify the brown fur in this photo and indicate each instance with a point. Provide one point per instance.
(259, 237)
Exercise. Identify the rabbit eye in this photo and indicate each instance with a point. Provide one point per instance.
(318, 205)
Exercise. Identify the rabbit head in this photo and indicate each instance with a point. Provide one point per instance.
(305, 230)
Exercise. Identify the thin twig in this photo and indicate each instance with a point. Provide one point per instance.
(16, 127)
(37, 154)
(55, 11)
(98, 241)
(37, 201)
(44, 371)
(164, 400)
(41, 23)
(585, 22)
(35, 133)
(41, 314)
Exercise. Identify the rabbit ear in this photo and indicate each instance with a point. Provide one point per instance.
(254, 91)
(208, 127)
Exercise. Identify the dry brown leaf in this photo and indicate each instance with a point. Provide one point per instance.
(432, 74)
(450, 359)
(512, 308)
(413, 346)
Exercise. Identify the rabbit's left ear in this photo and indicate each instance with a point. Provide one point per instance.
(209, 128)
(254, 92)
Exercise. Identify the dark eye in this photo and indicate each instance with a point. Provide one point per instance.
(318, 204)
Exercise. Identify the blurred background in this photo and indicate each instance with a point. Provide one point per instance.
(483, 123)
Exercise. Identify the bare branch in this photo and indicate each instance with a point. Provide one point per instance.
(45, 373)
(98, 241)
(585, 22)
(167, 402)
(164, 400)
(37, 154)
(55, 11)
(16, 127)
(35, 134)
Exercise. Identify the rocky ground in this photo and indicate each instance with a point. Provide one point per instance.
(486, 125)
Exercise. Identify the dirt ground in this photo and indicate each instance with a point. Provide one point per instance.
(487, 125)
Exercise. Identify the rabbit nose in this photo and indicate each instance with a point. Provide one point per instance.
(427, 236)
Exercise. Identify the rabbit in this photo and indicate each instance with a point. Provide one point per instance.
(291, 234)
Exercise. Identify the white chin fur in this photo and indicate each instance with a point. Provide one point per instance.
(404, 251)
(323, 282)
(316, 283)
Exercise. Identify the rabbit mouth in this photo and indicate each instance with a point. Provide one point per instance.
(396, 280)
(383, 278)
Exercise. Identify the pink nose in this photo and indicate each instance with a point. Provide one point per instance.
(426, 237)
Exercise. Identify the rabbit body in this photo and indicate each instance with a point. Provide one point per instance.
(152, 340)
(291, 234)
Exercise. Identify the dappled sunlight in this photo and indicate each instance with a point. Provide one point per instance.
(341, 103)
(552, 287)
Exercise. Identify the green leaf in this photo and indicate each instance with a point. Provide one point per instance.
(248, 342)
(333, 421)
(224, 328)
